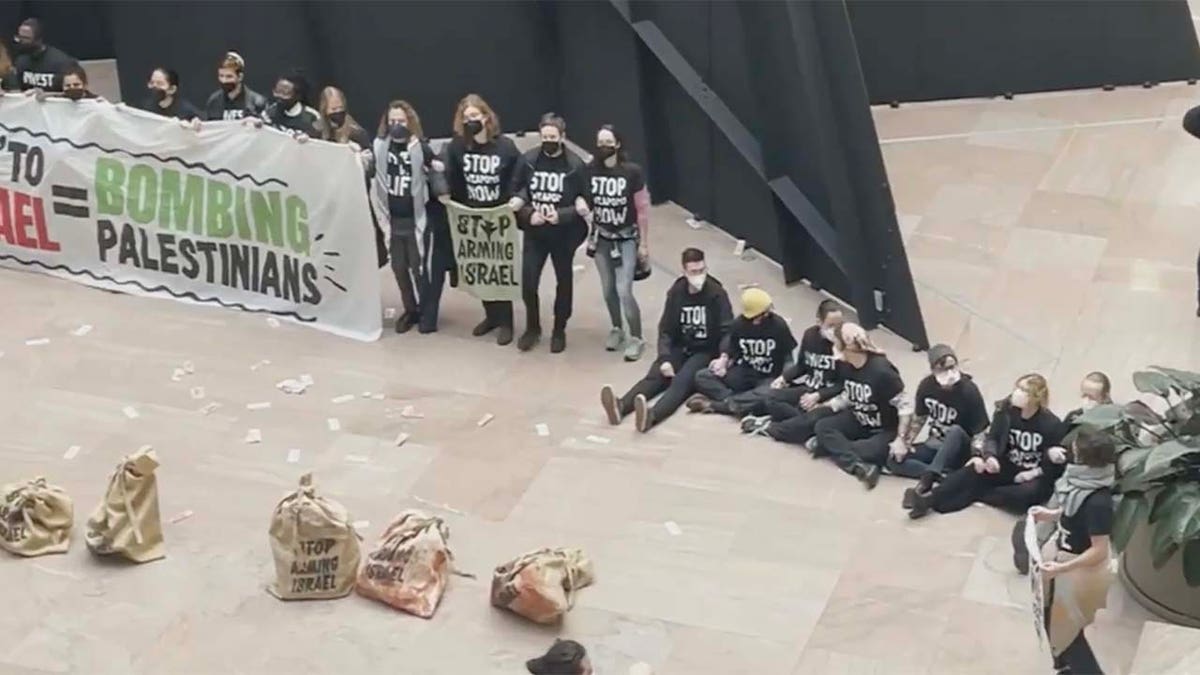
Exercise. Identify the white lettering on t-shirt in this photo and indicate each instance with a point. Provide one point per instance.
(482, 176)
(866, 411)
(758, 353)
(610, 203)
(1024, 448)
(693, 321)
(399, 174)
(39, 80)
(546, 190)
(941, 416)
(233, 114)
(818, 365)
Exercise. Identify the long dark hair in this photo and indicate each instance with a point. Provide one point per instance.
(621, 157)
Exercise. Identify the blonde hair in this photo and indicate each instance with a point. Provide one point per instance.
(328, 132)
(1035, 385)
(410, 114)
(491, 121)
(854, 334)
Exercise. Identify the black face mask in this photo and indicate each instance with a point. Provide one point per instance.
(399, 132)
(229, 86)
(551, 148)
(337, 119)
(25, 47)
(283, 104)
(472, 127)
(159, 95)
(73, 94)
(605, 151)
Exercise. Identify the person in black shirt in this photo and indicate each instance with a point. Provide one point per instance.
(287, 112)
(758, 350)
(234, 100)
(872, 410)
(695, 318)
(1022, 444)
(408, 182)
(950, 402)
(164, 98)
(1080, 552)
(38, 65)
(620, 215)
(75, 84)
(553, 228)
(788, 409)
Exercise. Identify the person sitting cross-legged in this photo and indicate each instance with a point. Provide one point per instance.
(953, 407)
(695, 318)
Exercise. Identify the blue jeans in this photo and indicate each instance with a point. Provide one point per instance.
(927, 458)
(616, 281)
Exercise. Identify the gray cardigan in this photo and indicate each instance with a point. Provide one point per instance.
(423, 183)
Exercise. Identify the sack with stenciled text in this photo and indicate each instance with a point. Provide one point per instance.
(541, 585)
(35, 518)
(411, 565)
(127, 521)
(315, 546)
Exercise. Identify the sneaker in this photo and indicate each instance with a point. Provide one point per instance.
(756, 426)
(616, 338)
(528, 339)
(483, 328)
(609, 400)
(811, 445)
(558, 341)
(868, 475)
(634, 349)
(641, 413)
(405, 322)
(504, 336)
(925, 484)
(698, 403)
(922, 504)
(909, 498)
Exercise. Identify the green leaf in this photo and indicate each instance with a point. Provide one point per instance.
(1101, 417)
(1131, 514)
(1186, 518)
(1149, 382)
(1184, 379)
(1144, 415)
(1132, 460)
(1162, 458)
(1191, 563)
(1162, 545)
(1164, 501)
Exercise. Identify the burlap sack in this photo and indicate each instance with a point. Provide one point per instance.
(541, 585)
(127, 521)
(315, 547)
(35, 518)
(411, 565)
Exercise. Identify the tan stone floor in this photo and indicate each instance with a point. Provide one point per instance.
(1064, 249)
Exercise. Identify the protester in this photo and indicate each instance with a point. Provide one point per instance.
(75, 84)
(565, 657)
(950, 402)
(234, 100)
(758, 350)
(484, 169)
(1094, 390)
(8, 74)
(1075, 568)
(287, 111)
(164, 96)
(552, 228)
(694, 321)
(408, 181)
(789, 408)
(38, 65)
(1022, 443)
(338, 125)
(872, 412)
(620, 216)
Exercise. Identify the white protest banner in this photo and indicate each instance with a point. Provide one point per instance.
(1036, 592)
(228, 216)
(487, 248)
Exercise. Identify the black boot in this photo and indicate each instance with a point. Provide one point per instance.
(529, 338)
(483, 327)
(504, 336)
(406, 321)
(867, 474)
(558, 342)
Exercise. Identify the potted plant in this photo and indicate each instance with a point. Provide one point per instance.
(1156, 527)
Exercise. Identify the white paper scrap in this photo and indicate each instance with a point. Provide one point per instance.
(37, 342)
(209, 409)
(485, 419)
(598, 439)
(82, 330)
(177, 375)
(197, 393)
(334, 424)
(344, 398)
(182, 517)
(189, 367)
(693, 223)
(71, 452)
(377, 397)
(358, 459)
(260, 364)
(542, 429)
(367, 394)
(272, 322)
(361, 524)
(293, 456)
(673, 528)
(254, 436)
(290, 386)
(307, 379)
(401, 439)
(130, 412)
(739, 248)
(411, 413)
(389, 312)
(261, 405)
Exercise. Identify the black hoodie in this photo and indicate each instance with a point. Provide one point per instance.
(693, 323)
(43, 70)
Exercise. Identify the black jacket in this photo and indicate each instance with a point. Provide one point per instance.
(574, 185)
(673, 345)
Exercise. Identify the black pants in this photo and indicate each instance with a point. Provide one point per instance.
(1077, 658)
(420, 270)
(558, 243)
(841, 437)
(674, 390)
(406, 265)
(737, 379)
(797, 428)
(757, 400)
(965, 487)
(935, 457)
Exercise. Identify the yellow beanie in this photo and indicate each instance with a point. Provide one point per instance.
(755, 301)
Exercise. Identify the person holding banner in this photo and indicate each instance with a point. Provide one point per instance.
(484, 170)
(164, 96)
(552, 228)
(408, 179)
(620, 216)
(234, 100)
(287, 111)
(38, 65)
(1075, 569)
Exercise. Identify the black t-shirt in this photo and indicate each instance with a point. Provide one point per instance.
(43, 70)
(816, 368)
(180, 108)
(1028, 439)
(554, 183)
(399, 177)
(307, 121)
(248, 103)
(483, 176)
(960, 405)
(1093, 519)
(610, 194)
(870, 391)
(765, 346)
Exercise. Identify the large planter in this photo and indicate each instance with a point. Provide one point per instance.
(1163, 591)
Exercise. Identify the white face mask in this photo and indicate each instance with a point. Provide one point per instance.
(1019, 398)
(1087, 404)
(948, 378)
(697, 281)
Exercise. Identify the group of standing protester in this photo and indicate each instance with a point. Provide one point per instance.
(834, 393)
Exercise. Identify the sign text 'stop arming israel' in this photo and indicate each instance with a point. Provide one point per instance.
(487, 249)
(230, 216)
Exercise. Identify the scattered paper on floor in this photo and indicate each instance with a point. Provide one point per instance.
(485, 419)
(37, 342)
(189, 367)
(181, 517)
(82, 330)
(598, 439)
(261, 405)
(197, 393)
(739, 248)
(344, 398)
(130, 412)
(389, 313)
(401, 439)
(358, 459)
(542, 429)
(272, 322)
(307, 379)
(290, 386)
(361, 524)
(411, 413)
(71, 452)
(260, 364)
(673, 528)
(254, 436)
(293, 456)
(209, 409)
(334, 424)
